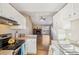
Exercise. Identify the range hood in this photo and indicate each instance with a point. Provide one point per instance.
(7, 21)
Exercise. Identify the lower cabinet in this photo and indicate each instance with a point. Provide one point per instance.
(31, 47)
(55, 49)
(58, 51)
(22, 50)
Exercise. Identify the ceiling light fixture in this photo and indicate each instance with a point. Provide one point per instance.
(42, 18)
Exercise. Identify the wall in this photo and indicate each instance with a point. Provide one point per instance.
(36, 19)
(27, 31)
(28, 25)
(12, 29)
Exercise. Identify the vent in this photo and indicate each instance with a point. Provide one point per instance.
(6, 21)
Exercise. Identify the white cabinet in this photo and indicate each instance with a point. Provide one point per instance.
(0, 9)
(62, 18)
(67, 11)
(75, 30)
(45, 30)
(61, 21)
(46, 40)
(31, 44)
(54, 49)
(76, 10)
(7, 11)
(58, 20)
(66, 22)
(23, 49)
(71, 11)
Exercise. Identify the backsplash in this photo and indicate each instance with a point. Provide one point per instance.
(17, 32)
(4, 28)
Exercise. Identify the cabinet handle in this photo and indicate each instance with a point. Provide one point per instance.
(74, 13)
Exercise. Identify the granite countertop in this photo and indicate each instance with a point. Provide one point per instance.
(13, 46)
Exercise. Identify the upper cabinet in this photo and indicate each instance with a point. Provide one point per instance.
(66, 14)
(0, 9)
(67, 11)
(70, 11)
(76, 10)
(7, 11)
(62, 20)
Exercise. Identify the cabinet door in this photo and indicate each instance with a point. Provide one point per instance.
(6, 10)
(32, 46)
(23, 50)
(67, 11)
(58, 20)
(61, 20)
(0, 9)
(76, 10)
(75, 30)
(56, 50)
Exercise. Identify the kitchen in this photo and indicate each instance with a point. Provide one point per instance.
(16, 32)
(39, 29)
(13, 27)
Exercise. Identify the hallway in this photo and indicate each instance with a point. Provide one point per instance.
(41, 50)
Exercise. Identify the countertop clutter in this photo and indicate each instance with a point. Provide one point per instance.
(13, 46)
(23, 46)
(11, 49)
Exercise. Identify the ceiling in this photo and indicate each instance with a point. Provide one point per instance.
(35, 10)
(37, 7)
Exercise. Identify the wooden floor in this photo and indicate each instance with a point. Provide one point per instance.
(41, 50)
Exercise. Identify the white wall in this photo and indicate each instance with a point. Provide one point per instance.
(28, 25)
(36, 19)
